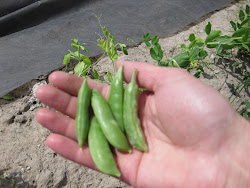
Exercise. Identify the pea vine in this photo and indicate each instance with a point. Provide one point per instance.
(106, 42)
(191, 57)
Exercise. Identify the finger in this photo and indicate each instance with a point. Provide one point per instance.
(71, 83)
(69, 149)
(57, 99)
(148, 76)
(57, 123)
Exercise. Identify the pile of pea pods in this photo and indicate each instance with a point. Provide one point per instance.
(115, 122)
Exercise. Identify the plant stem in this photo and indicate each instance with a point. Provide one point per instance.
(113, 67)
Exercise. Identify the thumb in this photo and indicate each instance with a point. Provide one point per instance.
(149, 76)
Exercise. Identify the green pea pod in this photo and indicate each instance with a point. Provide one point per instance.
(116, 97)
(132, 123)
(100, 150)
(82, 114)
(108, 123)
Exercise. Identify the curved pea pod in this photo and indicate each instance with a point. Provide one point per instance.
(100, 150)
(132, 123)
(82, 114)
(115, 100)
(108, 123)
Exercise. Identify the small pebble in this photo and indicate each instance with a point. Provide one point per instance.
(216, 71)
(213, 56)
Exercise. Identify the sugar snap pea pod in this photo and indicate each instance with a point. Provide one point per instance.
(132, 123)
(100, 150)
(108, 123)
(82, 114)
(116, 97)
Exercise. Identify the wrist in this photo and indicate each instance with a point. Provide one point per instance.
(237, 154)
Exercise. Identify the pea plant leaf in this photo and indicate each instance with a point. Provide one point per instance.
(147, 36)
(233, 24)
(241, 15)
(194, 53)
(147, 43)
(109, 77)
(212, 36)
(191, 37)
(96, 75)
(156, 52)
(66, 59)
(247, 10)
(247, 105)
(240, 31)
(123, 48)
(8, 97)
(208, 28)
(80, 69)
(155, 40)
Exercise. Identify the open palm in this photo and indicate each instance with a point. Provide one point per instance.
(186, 124)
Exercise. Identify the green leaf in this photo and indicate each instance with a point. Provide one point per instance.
(247, 9)
(109, 77)
(163, 63)
(183, 60)
(106, 32)
(245, 21)
(80, 69)
(154, 55)
(233, 24)
(219, 49)
(199, 43)
(124, 49)
(240, 32)
(212, 36)
(208, 28)
(155, 40)
(246, 47)
(183, 46)
(66, 59)
(191, 45)
(202, 54)
(194, 53)
(75, 41)
(75, 46)
(147, 43)
(111, 41)
(8, 97)
(147, 36)
(156, 52)
(247, 104)
(238, 25)
(83, 48)
(191, 37)
(96, 75)
(244, 39)
(86, 60)
(197, 74)
(241, 15)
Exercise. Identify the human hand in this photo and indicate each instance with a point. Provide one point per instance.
(190, 129)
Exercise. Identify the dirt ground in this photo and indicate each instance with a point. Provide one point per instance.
(26, 161)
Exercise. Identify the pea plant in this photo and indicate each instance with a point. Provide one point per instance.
(239, 38)
(191, 57)
(106, 42)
